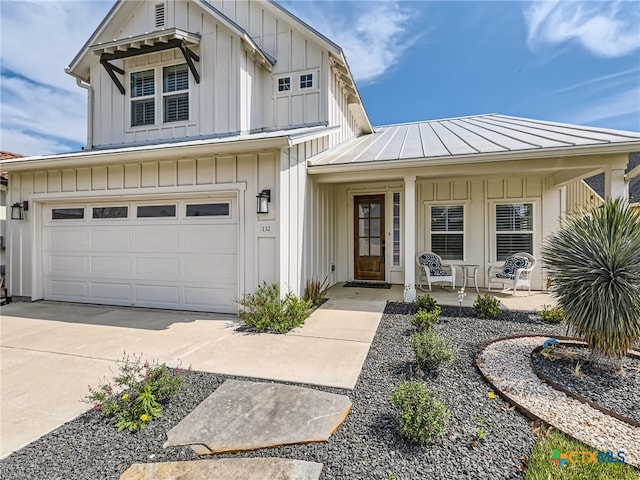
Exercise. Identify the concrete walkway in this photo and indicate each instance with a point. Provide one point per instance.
(50, 352)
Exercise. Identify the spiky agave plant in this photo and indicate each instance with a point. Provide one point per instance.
(594, 260)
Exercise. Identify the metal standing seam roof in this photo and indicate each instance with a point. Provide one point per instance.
(474, 135)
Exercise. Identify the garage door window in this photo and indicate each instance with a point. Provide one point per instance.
(111, 212)
(67, 213)
(154, 211)
(208, 210)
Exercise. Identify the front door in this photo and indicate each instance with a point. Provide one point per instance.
(369, 237)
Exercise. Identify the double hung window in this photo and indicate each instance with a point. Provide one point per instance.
(447, 231)
(174, 100)
(514, 229)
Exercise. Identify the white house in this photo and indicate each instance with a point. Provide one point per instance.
(196, 108)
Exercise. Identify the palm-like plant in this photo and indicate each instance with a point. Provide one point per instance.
(594, 260)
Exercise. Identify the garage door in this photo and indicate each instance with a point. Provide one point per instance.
(172, 254)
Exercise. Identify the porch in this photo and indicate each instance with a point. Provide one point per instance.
(522, 300)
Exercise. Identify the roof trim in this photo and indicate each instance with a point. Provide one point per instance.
(475, 158)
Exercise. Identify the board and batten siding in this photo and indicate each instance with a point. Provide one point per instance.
(239, 176)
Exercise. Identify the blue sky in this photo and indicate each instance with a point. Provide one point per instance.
(566, 61)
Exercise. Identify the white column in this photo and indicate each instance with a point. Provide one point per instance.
(409, 238)
(614, 184)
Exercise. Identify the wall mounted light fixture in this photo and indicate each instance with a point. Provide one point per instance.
(18, 209)
(264, 198)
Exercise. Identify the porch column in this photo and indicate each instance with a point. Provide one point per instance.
(409, 238)
(614, 184)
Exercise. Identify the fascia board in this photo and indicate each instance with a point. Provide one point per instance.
(626, 147)
(138, 154)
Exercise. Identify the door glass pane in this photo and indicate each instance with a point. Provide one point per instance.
(364, 247)
(363, 210)
(363, 229)
(375, 247)
(374, 225)
(375, 209)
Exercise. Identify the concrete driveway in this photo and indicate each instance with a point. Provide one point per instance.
(50, 352)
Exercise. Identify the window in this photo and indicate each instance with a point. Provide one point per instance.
(396, 229)
(143, 90)
(149, 211)
(306, 80)
(67, 213)
(447, 231)
(175, 96)
(110, 212)
(208, 210)
(514, 229)
(175, 89)
(284, 84)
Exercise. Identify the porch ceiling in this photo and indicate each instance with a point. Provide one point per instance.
(481, 138)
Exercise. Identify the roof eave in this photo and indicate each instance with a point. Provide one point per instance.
(625, 147)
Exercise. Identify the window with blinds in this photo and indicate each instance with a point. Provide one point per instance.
(143, 91)
(447, 231)
(175, 89)
(514, 229)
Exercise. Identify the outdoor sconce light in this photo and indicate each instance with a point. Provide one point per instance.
(17, 210)
(264, 197)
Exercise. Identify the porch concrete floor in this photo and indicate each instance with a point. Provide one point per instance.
(522, 300)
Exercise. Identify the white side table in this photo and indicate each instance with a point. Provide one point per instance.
(470, 272)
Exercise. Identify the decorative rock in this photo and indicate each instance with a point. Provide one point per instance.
(226, 469)
(243, 415)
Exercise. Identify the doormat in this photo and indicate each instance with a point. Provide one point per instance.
(367, 284)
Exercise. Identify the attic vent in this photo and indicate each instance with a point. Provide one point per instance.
(159, 15)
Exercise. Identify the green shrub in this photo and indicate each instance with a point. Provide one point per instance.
(431, 350)
(425, 320)
(421, 417)
(265, 311)
(487, 306)
(315, 290)
(426, 303)
(135, 395)
(552, 314)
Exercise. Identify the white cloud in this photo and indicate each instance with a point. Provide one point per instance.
(612, 106)
(608, 29)
(39, 100)
(373, 35)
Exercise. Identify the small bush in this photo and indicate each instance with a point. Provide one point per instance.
(425, 320)
(421, 417)
(315, 290)
(425, 303)
(552, 314)
(135, 395)
(487, 306)
(431, 350)
(265, 311)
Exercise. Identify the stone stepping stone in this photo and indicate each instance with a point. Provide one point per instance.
(226, 469)
(242, 415)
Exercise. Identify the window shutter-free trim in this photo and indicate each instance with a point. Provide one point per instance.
(513, 229)
(447, 231)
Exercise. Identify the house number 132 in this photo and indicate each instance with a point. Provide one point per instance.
(265, 228)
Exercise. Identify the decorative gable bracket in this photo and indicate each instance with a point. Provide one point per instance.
(144, 44)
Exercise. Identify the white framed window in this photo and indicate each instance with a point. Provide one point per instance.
(161, 89)
(446, 231)
(143, 100)
(396, 228)
(513, 229)
(284, 84)
(306, 80)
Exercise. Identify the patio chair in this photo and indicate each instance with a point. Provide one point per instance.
(515, 272)
(431, 264)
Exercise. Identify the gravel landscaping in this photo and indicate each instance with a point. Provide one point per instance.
(615, 392)
(366, 446)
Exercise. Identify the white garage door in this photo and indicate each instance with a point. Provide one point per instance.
(177, 254)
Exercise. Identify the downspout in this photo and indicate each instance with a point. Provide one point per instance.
(89, 89)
